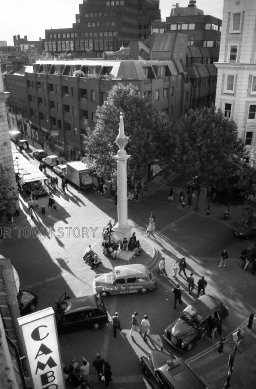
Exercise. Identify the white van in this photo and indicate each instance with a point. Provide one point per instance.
(125, 279)
(51, 160)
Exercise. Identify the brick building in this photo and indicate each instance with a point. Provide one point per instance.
(62, 96)
(104, 26)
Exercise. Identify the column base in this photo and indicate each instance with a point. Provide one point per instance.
(121, 232)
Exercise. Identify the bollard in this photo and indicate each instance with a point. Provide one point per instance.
(250, 321)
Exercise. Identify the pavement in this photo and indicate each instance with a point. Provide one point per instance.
(180, 232)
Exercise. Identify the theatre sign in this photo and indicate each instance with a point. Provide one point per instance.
(42, 348)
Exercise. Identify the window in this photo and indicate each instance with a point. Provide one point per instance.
(252, 112)
(253, 90)
(230, 83)
(235, 22)
(227, 110)
(131, 280)
(173, 27)
(172, 90)
(92, 95)
(165, 93)
(157, 94)
(184, 26)
(191, 26)
(233, 53)
(120, 281)
(248, 138)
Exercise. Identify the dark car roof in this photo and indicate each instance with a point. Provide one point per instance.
(205, 306)
(80, 304)
(176, 372)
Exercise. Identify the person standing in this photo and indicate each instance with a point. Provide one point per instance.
(161, 268)
(63, 184)
(107, 373)
(135, 323)
(98, 363)
(201, 285)
(145, 190)
(175, 268)
(177, 295)
(182, 266)
(145, 327)
(191, 283)
(116, 322)
(223, 258)
(84, 371)
(171, 195)
(151, 226)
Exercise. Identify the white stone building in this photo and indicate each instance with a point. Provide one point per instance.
(236, 85)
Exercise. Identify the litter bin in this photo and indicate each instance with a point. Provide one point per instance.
(43, 210)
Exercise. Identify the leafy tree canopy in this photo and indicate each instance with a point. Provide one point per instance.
(8, 196)
(148, 129)
(207, 146)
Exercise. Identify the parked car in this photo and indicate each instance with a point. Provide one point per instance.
(39, 154)
(60, 170)
(23, 144)
(193, 324)
(27, 302)
(125, 279)
(245, 233)
(15, 136)
(51, 160)
(164, 371)
(80, 312)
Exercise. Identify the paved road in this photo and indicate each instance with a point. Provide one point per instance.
(51, 263)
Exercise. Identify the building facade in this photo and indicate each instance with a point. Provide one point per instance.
(104, 26)
(62, 96)
(236, 86)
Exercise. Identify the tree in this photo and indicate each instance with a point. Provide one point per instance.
(8, 197)
(147, 128)
(207, 147)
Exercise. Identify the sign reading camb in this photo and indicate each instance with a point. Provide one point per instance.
(42, 348)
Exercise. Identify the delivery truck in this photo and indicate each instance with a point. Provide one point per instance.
(78, 173)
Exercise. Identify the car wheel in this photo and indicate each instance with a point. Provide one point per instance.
(143, 290)
(96, 326)
(103, 293)
(32, 307)
(190, 347)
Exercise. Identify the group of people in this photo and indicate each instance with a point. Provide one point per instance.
(77, 376)
(111, 248)
(143, 329)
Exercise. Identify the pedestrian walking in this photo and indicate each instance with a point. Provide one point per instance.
(171, 195)
(98, 364)
(191, 283)
(201, 285)
(182, 266)
(175, 268)
(107, 373)
(151, 226)
(66, 183)
(51, 202)
(145, 190)
(161, 268)
(177, 295)
(213, 324)
(63, 185)
(145, 327)
(135, 323)
(116, 322)
(84, 371)
(223, 258)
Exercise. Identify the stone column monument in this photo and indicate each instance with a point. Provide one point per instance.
(122, 228)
